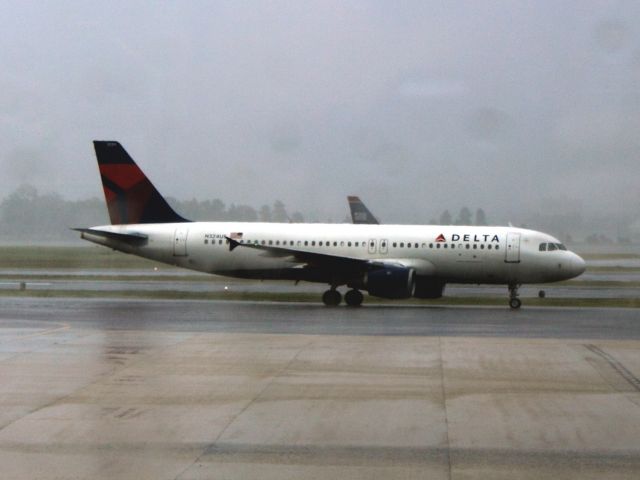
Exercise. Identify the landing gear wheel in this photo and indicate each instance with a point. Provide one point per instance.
(514, 301)
(353, 298)
(331, 298)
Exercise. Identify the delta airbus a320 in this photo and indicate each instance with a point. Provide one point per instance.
(387, 261)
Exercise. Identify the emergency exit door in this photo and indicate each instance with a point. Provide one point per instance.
(512, 254)
(180, 242)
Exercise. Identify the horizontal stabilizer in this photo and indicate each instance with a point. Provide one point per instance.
(131, 237)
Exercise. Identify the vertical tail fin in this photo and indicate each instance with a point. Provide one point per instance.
(360, 213)
(130, 196)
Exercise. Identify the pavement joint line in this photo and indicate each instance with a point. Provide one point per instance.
(209, 448)
(444, 405)
(98, 379)
(623, 371)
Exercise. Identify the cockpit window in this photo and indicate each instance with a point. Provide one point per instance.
(543, 247)
(552, 246)
(561, 246)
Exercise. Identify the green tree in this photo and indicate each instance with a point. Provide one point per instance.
(481, 218)
(445, 218)
(464, 217)
(279, 212)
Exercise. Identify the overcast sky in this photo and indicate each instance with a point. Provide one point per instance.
(416, 106)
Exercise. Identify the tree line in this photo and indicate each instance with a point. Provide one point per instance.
(464, 217)
(27, 214)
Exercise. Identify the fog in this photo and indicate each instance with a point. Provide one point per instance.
(521, 108)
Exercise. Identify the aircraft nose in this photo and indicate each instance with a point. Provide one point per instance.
(577, 265)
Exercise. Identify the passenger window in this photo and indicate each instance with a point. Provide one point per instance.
(475, 246)
(468, 246)
(497, 247)
(206, 241)
(488, 247)
(335, 244)
(543, 247)
(395, 244)
(320, 243)
(277, 242)
(431, 245)
(348, 244)
(342, 243)
(453, 245)
(408, 245)
(401, 244)
(313, 243)
(482, 247)
(306, 243)
(437, 245)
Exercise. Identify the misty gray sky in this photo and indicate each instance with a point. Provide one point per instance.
(417, 106)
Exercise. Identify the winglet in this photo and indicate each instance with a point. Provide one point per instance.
(232, 243)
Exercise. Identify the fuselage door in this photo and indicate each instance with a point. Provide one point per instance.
(180, 242)
(384, 246)
(372, 246)
(512, 254)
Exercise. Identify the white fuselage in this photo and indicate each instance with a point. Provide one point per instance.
(455, 254)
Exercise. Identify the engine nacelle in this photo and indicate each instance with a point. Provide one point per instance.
(390, 282)
(427, 287)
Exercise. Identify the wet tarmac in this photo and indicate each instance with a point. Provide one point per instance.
(211, 389)
(305, 318)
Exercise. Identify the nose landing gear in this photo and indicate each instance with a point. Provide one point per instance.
(514, 302)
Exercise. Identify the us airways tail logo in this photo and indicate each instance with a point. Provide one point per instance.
(441, 238)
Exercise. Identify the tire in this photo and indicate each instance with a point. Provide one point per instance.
(354, 298)
(515, 303)
(331, 298)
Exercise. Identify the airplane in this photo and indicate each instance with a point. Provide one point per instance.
(387, 261)
(360, 214)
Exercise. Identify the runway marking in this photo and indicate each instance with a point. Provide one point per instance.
(444, 405)
(63, 326)
(623, 371)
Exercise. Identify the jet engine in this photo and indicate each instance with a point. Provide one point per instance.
(390, 281)
(427, 287)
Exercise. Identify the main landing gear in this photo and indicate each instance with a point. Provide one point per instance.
(514, 302)
(332, 298)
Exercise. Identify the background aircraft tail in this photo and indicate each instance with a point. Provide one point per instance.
(359, 212)
(130, 196)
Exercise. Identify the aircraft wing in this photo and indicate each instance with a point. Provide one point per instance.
(313, 259)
